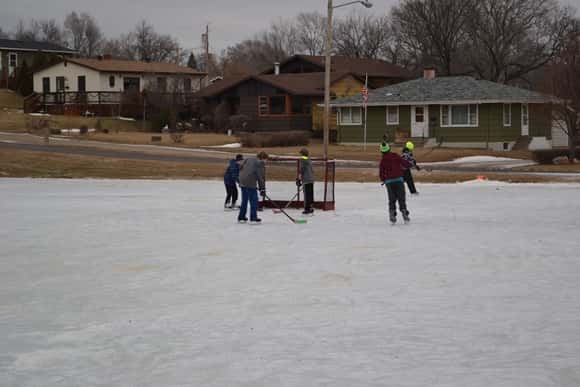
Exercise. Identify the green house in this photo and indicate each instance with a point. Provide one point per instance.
(448, 111)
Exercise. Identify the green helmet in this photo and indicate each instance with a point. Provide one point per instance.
(410, 146)
(384, 147)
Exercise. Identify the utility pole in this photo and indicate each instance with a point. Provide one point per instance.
(205, 43)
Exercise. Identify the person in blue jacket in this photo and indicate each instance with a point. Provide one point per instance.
(231, 179)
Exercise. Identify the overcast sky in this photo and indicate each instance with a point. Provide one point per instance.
(230, 21)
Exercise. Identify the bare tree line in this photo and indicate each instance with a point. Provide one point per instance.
(498, 40)
(81, 32)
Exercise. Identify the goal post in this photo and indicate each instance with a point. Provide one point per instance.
(293, 196)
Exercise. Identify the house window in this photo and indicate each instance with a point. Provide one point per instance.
(60, 84)
(392, 115)
(187, 84)
(507, 114)
(275, 105)
(459, 115)
(350, 116)
(525, 115)
(419, 114)
(82, 84)
(46, 85)
(12, 60)
(112, 81)
(132, 84)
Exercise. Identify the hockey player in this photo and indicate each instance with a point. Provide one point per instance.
(407, 154)
(306, 178)
(391, 174)
(231, 179)
(252, 174)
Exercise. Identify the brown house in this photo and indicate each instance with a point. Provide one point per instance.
(380, 73)
(13, 53)
(276, 102)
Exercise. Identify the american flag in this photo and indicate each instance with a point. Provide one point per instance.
(365, 94)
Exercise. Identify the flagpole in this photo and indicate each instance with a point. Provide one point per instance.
(365, 101)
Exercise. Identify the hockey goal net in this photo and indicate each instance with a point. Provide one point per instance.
(288, 195)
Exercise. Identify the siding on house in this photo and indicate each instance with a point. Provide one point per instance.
(490, 126)
(376, 126)
(71, 72)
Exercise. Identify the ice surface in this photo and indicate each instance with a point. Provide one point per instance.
(141, 283)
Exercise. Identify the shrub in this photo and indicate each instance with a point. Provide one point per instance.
(274, 139)
(84, 129)
(547, 156)
(238, 122)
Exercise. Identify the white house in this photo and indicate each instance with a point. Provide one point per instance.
(104, 74)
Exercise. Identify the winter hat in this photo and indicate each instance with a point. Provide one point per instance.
(239, 157)
(409, 145)
(384, 147)
(262, 156)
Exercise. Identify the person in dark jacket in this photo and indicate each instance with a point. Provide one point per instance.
(391, 174)
(306, 178)
(231, 177)
(407, 154)
(252, 175)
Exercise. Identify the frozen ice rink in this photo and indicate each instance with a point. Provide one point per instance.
(150, 283)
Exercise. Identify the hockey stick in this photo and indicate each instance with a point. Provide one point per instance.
(277, 211)
(295, 221)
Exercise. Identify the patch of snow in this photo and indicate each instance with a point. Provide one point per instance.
(75, 131)
(126, 119)
(483, 159)
(234, 145)
(150, 283)
(39, 114)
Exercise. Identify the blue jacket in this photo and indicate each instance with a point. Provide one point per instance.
(231, 177)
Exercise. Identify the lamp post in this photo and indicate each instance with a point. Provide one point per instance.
(327, 68)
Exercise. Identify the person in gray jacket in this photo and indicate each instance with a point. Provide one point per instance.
(306, 178)
(252, 177)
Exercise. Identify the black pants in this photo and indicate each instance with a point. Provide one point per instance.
(308, 196)
(231, 194)
(409, 180)
(396, 193)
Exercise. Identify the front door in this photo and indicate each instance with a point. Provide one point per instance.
(525, 120)
(419, 121)
(82, 84)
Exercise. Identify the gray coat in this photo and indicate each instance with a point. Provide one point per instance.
(253, 173)
(306, 171)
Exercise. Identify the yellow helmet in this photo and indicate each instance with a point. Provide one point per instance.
(409, 145)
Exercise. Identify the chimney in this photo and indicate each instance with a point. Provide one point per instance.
(277, 68)
(429, 73)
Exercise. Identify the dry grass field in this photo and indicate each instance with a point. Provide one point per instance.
(20, 163)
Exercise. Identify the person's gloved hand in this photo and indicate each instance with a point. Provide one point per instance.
(298, 183)
(418, 168)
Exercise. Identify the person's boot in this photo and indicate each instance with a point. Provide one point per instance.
(393, 217)
(406, 216)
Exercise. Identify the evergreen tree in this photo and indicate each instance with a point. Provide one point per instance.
(191, 62)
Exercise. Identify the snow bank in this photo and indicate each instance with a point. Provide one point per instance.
(151, 284)
(234, 145)
(483, 159)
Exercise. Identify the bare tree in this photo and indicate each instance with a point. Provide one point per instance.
(83, 33)
(30, 33)
(310, 29)
(564, 82)
(511, 38)
(3, 35)
(361, 36)
(151, 46)
(50, 31)
(432, 30)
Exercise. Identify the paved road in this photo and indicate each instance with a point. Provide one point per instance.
(58, 145)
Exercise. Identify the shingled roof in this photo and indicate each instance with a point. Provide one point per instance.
(306, 84)
(358, 66)
(130, 66)
(445, 90)
(20, 45)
